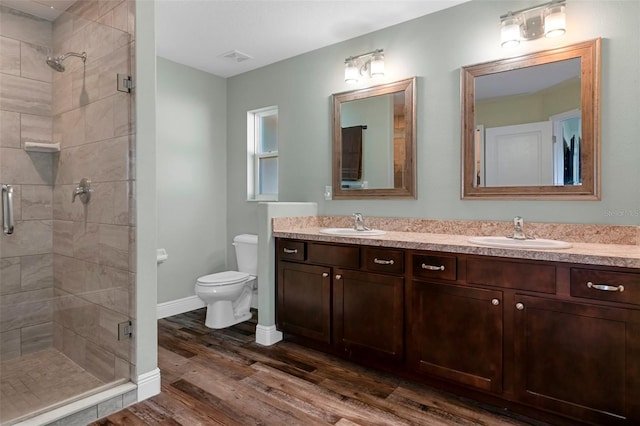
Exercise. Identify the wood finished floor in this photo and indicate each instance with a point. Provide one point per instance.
(223, 377)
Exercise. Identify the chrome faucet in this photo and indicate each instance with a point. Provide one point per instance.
(359, 222)
(518, 230)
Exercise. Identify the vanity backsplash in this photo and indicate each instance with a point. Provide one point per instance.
(577, 233)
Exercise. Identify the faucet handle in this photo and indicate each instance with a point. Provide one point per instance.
(359, 222)
(518, 230)
(84, 190)
(518, 222)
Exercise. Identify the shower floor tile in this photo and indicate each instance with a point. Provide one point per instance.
(38, 380)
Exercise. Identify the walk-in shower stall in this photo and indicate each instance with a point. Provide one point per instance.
(67, 247)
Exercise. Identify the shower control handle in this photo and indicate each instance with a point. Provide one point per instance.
(83, 190)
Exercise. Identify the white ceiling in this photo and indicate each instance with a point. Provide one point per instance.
(46, 9)
(526, 80)
(197, 32)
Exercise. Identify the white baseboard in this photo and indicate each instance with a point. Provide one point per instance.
(179, 306)
(148, 384)
(267, 335)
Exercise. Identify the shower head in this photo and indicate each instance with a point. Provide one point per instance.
(56, 63)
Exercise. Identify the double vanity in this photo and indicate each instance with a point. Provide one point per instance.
(554, 334)
(548, 327)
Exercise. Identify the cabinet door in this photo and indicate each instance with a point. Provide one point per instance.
(368, 315)
(456, 334)
(304, 301)
(579, 360)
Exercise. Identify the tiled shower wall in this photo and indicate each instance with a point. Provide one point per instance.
(93, 243)
(90, 248)
(26, 260)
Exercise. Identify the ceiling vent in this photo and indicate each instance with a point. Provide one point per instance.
(235, 56)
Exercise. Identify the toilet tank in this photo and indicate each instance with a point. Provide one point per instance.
(247, 253)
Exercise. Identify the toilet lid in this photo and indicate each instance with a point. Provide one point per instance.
(223, 278)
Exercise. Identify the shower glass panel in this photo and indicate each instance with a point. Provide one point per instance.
(67, 272)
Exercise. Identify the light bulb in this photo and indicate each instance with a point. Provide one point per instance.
(377, 64)
(350, 71)
(510, 32)
(554, 21)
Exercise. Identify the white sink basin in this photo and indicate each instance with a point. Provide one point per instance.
(350, 232)
(504, 242)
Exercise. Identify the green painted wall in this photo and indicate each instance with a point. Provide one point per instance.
(434, 48)
(191, 177)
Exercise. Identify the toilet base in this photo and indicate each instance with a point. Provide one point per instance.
(220, 315)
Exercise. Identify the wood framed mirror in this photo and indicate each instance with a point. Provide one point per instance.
(531, 126)
(374, 142)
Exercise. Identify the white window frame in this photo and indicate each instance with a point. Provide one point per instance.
(254, 155)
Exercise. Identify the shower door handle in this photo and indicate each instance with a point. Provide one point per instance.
(7, 209)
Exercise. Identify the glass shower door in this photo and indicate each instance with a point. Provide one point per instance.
(67, 272)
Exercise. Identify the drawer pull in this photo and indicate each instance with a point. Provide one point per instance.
(432, 268)
(290, 251)
(338, 277)
(519, 306)
(383, 261)
(495, 302)
(604, 287)
(325, 275)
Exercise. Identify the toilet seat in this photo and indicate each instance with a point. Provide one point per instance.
(220, 279)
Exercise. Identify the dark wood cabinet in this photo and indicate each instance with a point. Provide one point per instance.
(554, 340)
(323, 294)
(456, 334)
(368, 316)
(577, 359)
(304, 300)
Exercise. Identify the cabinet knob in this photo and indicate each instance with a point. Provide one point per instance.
(519, 306)
(338, 277)
(325, 275)
(495, 302)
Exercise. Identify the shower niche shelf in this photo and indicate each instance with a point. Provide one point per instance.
(41, 147)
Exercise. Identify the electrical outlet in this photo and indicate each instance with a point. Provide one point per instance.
(328, 192)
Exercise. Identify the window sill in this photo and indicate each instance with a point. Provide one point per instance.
(257, 200)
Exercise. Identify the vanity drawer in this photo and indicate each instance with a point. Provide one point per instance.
(334, 255)
(383, 260)
(606, 285)
(435, 266)
(291, 250)
(538, 277)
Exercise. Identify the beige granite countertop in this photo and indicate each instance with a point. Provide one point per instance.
(621, 255)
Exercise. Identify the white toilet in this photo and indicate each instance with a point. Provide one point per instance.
(228, 294)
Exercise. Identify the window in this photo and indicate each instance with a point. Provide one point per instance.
(262, 158)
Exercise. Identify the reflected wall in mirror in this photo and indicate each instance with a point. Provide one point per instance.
(531, 125)
(374, 140)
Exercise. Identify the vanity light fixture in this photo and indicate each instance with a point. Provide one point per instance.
(548, 19)
(368, 65)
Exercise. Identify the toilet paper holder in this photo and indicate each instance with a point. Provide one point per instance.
(161, 255)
